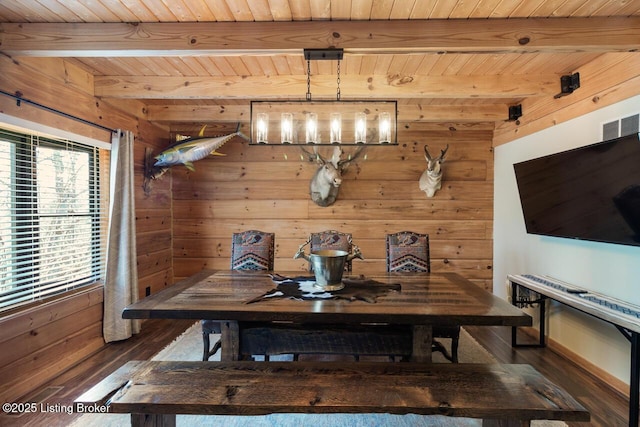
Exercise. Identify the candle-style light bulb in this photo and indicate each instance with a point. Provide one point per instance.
(384, 128)
(360, 128)
(336, 128)
(262, 128)
(286, 128)
(312, 128)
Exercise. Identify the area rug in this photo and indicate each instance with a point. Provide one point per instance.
(188, 346)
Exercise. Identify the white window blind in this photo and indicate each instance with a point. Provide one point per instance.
(53, 217)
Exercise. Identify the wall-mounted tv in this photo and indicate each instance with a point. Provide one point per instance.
(588, 193)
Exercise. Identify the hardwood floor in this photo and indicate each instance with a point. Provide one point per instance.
(155, 335)
(608, 408)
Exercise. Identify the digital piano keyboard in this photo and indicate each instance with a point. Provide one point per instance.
(604, 307)
(625, 316)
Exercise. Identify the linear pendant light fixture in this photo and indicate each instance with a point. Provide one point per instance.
(324, 122)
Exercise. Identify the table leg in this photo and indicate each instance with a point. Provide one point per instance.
(422, 342)
(230, 338)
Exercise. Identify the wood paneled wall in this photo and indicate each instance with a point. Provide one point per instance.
(185, 222)
(267, 188)
(39, 343)
(153, 228)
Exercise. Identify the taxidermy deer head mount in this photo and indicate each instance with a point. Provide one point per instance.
(431, 179)
(325, 183)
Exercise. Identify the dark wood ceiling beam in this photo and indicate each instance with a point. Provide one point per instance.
(324, 87)
(356, 37)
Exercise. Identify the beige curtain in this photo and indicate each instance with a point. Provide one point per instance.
(121, 281)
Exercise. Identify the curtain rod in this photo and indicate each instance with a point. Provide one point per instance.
(19, 99)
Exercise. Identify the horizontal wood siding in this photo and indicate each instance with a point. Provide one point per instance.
(41, 342)
(153, 218)
(267, 188)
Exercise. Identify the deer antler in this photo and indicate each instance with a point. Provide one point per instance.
(344, 163)
(426, 153)
(311, 157)
(441, 157)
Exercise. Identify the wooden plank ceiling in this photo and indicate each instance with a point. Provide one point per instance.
(184, 63)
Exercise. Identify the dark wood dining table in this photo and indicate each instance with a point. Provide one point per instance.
(421, 300)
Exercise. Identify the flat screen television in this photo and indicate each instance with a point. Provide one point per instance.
(588, 193)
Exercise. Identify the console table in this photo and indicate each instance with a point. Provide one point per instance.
(624, 316)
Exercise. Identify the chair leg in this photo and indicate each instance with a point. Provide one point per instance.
(208, 353)
(437, 346)
(217, 346)
(455, 341)
(205, 340)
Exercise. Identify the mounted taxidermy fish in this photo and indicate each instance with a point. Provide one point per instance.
(184, 152)
(193, 149)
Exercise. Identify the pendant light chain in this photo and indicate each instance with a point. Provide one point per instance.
(338, 81)
(322, 122)
(308, 80)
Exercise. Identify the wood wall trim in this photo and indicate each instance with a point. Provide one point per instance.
(586, 366)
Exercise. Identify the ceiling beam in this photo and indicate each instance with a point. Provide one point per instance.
(406, 113)
(595, 34)
(324, 87)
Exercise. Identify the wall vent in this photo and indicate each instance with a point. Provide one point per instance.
(622, 127)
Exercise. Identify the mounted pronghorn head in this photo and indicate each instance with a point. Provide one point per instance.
(325, 183)
(431, 179)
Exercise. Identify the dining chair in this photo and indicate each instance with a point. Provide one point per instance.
(258, 338)
(392, 341)
(250, 250)
(332, 239)
(408, 251)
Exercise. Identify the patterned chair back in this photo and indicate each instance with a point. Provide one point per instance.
(332, 239)
(408, 251)
(252, 250)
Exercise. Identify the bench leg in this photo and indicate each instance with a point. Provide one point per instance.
(230, 337)
(506, 423)
(153, 420)
(422, 343)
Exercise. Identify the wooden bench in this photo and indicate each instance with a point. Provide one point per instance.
(502, 395)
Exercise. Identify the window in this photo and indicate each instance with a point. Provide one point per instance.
(52, 220)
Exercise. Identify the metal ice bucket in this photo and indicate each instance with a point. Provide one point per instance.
(328, 266)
